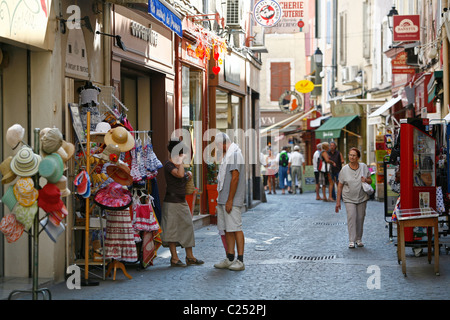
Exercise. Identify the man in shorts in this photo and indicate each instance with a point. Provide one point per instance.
(231, 187)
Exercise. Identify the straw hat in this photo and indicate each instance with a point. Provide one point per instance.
(25, 163)
(110, 154)
(121, 137)
(62, 186)
(25, 192)
(50, 198)
(11, 228)
(25, 215)
(14, 135)
(52, 168)
(120, 173)
(51, 140)
(7, 173)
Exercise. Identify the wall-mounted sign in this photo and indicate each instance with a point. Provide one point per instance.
(290, 102)
(294, 18)
(144, 33)
(76, 55)
(399, 65)
(407, 28)
(167, 17)
(267, 13)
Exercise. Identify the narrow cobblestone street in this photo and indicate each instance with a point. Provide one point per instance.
(296, 249)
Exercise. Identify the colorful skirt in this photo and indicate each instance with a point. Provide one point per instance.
(119, 240)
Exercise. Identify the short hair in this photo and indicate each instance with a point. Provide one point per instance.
(174, 143)
(333, 142)
(358, 153)
(222, 138)
(319, 146)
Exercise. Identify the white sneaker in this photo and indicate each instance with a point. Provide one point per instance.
(224, 264)
(237, 265)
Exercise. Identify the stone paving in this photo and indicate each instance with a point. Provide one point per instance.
(296, 249)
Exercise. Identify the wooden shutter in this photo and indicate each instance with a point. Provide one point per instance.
(280, 79)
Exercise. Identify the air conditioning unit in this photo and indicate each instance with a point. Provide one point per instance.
(233, 16)
(349, 74)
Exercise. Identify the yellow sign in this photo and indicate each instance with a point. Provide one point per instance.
(304, 86)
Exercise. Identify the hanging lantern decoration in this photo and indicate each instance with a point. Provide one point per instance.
(216, 68)
(200, 51)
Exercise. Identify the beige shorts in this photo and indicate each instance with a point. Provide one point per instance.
(229, 222)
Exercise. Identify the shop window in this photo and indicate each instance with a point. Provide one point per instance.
(191, 100)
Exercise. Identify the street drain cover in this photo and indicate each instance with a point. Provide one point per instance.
(330, 223)
(311, 258)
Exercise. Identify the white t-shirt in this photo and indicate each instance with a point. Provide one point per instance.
(296, 159)
(315, 158)
(351, 179)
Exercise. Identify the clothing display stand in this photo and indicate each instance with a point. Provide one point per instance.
(35, 239)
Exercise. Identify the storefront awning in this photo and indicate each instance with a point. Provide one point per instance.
(317, 122)
(333, 127)
(385, 107)
(159, 10)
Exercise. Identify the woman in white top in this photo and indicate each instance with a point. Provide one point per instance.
(355, 199)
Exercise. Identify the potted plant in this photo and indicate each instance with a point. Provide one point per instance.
(211, 186)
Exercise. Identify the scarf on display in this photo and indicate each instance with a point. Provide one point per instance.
(228, 159)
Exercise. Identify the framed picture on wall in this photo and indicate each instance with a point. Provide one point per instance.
(77, 125)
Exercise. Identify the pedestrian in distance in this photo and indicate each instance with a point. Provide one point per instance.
(338, 159)
(271, 170)
(231, 188)
(354, 197)
(325, 165)
(297, 167)
(176, 221)
(316, 161)
(284, 171)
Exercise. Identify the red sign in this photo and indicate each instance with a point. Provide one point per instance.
(399, 65)
(407, 28)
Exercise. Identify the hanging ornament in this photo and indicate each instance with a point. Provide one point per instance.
(220, 61)
(216, 69)
(200, 51)
(216, 53)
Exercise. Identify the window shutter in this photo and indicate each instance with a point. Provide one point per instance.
(280, 79)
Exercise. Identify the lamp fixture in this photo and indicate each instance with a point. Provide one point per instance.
(393, 12)
(318, 57)
(118, 38)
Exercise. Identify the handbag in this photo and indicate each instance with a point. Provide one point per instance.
(367, 188)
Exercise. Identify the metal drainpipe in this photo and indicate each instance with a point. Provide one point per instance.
(107, 43)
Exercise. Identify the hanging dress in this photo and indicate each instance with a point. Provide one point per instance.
(119, 240)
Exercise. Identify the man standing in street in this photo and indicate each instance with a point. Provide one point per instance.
(296, 162)
(316, 167)
(338, 159)
(284, 171)
(231, 188)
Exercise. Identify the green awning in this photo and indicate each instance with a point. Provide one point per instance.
(331, 129)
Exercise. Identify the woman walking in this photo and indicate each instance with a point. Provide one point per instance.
(325, 172)
(177, 226)
(355, 199)
(271, 164)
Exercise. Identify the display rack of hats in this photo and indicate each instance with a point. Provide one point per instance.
(119, 162)
(27, 193)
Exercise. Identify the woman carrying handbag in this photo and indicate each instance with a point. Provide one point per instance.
(350, 188)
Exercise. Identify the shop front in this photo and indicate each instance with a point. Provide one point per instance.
(191, 112)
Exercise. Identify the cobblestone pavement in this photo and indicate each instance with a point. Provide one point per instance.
(296, 249)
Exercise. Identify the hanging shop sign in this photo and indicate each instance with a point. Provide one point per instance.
(76, 55)
(407, 28)
(399, 65)
(164, 15)
(294, 17)
(421, 95)
(304, 86)
(267, 13)
(290, 102)
(26, 22)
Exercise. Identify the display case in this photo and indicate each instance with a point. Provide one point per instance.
(417, 171)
